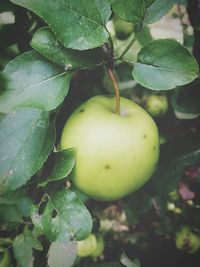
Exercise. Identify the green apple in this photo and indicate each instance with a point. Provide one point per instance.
(156, 105)
(87, 246)
(123, 29)
(115, 154)
(186, 240)
(99, 248)
(4, 258)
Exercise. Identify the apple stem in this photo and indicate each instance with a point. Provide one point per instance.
(113, 78)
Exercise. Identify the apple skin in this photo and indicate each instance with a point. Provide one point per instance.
(123, 29)
(116, 154)
(156, 105)
(187, 241)
(99, 248)
(87, 246)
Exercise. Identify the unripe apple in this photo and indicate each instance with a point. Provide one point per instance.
(123, 29)
(115, 153)
(99, 248)
(186, 240)
(87, 246)
(156, 105)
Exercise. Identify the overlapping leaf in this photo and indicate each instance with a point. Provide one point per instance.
(77, 24)
(129, 10)
(157, 10)
(62, 255)
(23, 248)
(164, 64)
(31, 81)
(64, 218)
(26, 138)
(46, 43)
(62, 163)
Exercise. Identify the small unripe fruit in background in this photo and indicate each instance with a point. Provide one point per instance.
(187, 241)
(87, 246)
(123, 29)
(99, 248)
(156, 105)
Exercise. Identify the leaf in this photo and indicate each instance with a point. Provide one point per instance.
(168, 174)
(157, 10)
(31, 81)
(62, 163)
(26, 139)
(23, 246)
(45, 42)
(10, 214)
(164, 64)
(62, 255)
(78, 25)
(129, 10)
(64, 218)
(129, 263)
(186, 101)
(137, 205)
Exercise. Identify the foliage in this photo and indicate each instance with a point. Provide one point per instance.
(54, 56)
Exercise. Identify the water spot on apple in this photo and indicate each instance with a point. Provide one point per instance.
(81, 111)
(107, 166)
(154, 148)
(144, 136)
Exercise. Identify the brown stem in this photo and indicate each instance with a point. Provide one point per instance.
(116, 87)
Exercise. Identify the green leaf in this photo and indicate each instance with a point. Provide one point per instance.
(168, 174)
(186, 101)
(64, 217)
(26, 139)
(62, 163)
(164, 64)
(157, 10)
(77, 24)
(129, 10)
(23, 246)
(148, 3)
(62, 255)
(10, 214)
(137, 205)
(45, 42)
(31, 81)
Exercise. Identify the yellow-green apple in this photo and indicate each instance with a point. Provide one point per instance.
(115, 153)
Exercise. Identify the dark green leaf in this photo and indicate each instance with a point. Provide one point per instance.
(10, 214)
(26, 139)
(45, 42)
(164, 64)
(31, 81)
(129, 10)
(23, 248)
(168, 174)
(186, 101)
(148, 3)
(157, 10)
(61, 166)
(137, 205)
(62, 255)
(77, 24)
(64, 218)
